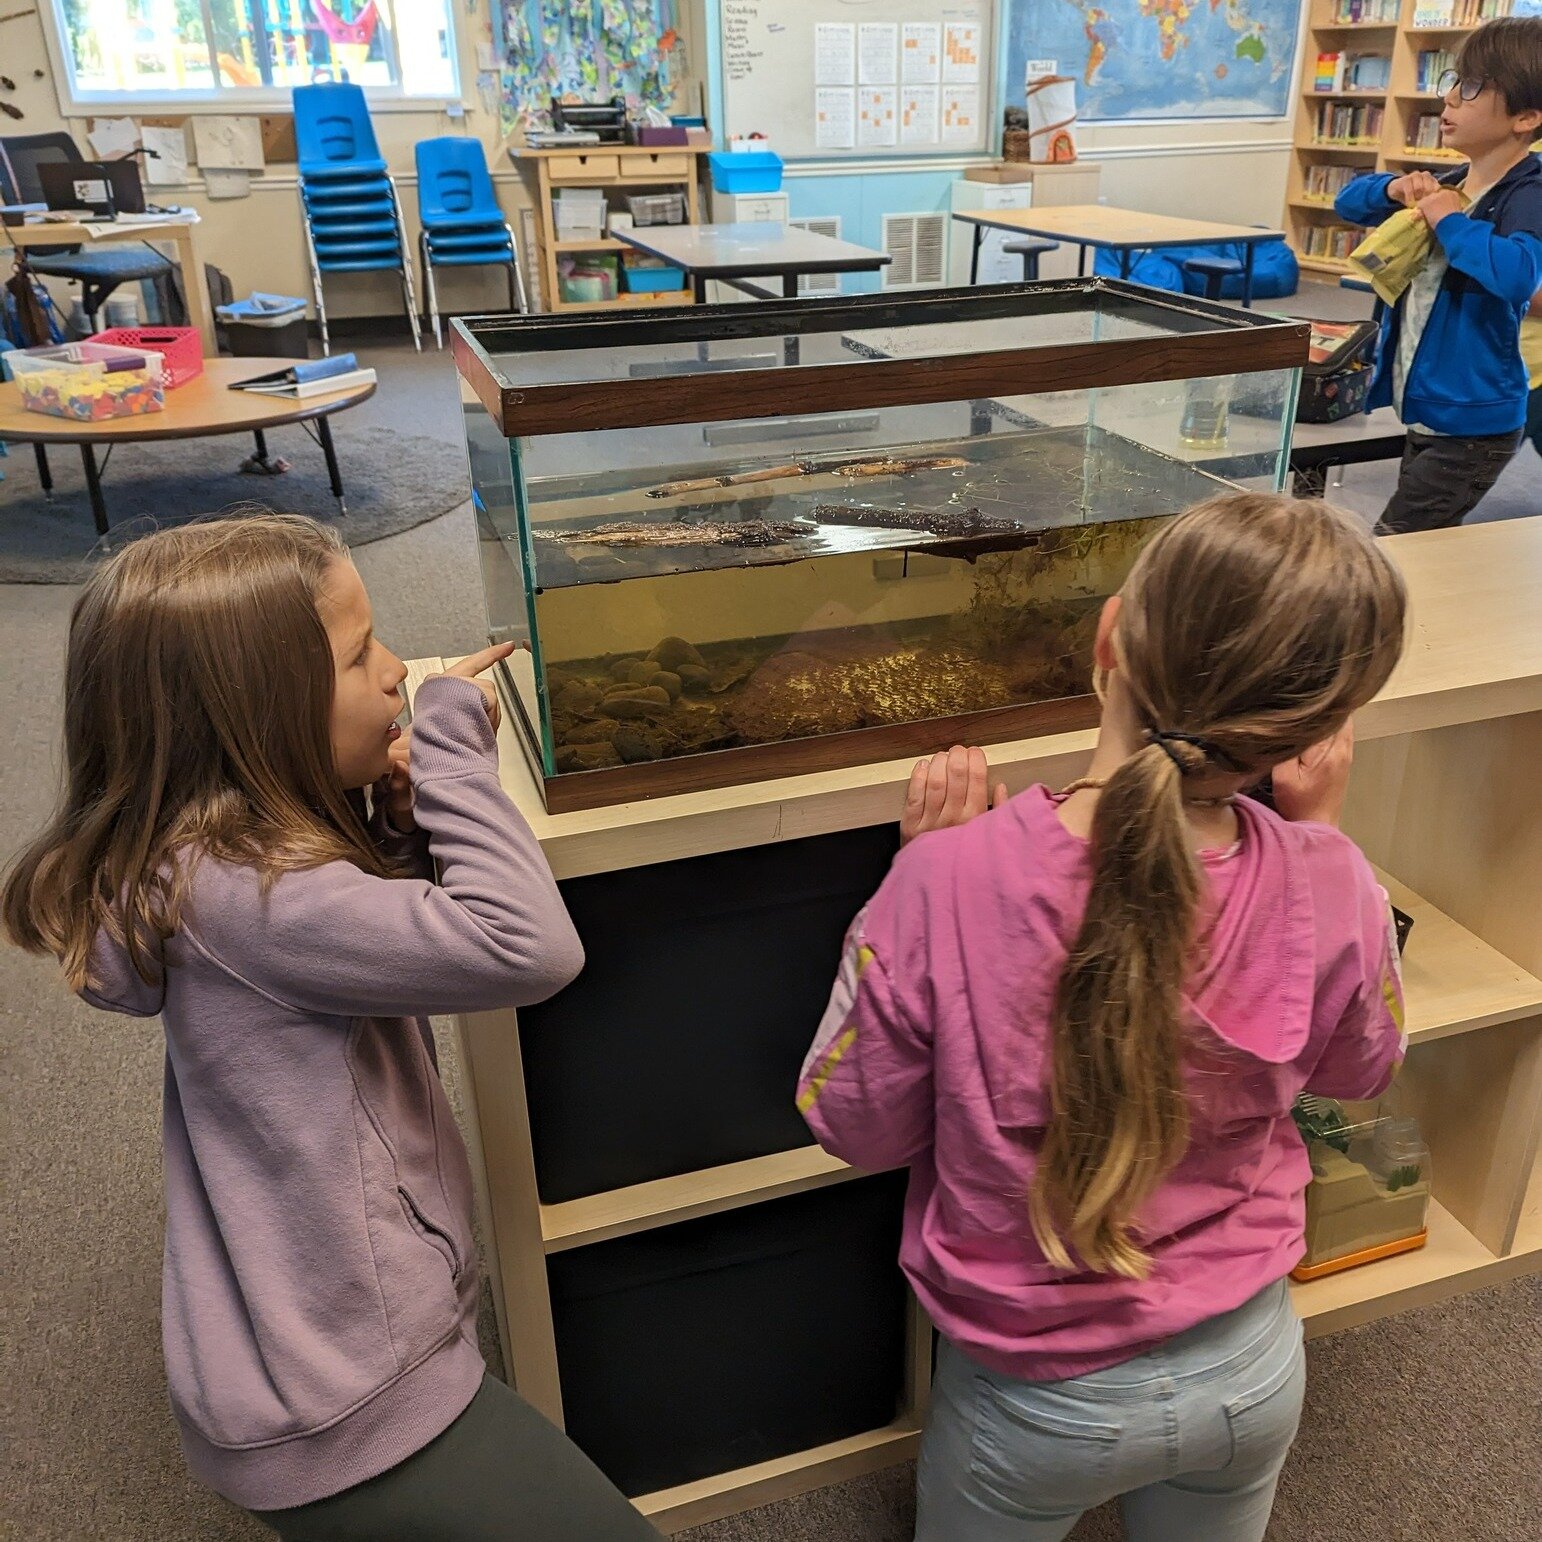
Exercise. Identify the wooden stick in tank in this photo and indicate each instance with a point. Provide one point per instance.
(860, 468)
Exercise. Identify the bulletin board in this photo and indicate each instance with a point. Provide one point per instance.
(860, 78)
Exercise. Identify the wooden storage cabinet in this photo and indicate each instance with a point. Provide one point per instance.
(620, 167)
(1443, 800)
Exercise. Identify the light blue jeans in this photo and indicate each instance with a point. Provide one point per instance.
(1191, 1436)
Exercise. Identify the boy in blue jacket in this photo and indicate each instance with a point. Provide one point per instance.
(1449, 357)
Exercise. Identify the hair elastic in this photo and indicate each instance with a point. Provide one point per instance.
(1207, 747)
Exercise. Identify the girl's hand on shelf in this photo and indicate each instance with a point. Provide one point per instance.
(947, 789)
(1313, 786)
(477, 663)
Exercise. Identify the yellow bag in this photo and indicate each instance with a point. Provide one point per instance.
(1394, 252)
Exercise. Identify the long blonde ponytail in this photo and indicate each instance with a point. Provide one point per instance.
(1250, 629)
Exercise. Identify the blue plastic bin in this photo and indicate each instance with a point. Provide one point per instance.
(653, 280)
(746, 171)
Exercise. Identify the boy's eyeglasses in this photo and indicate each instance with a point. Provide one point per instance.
(1468, 90)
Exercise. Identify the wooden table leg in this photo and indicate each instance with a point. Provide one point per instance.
(94, 487)
(195, 289)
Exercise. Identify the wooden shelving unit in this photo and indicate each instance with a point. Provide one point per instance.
(1442, 800)
(1401, 103)
(635, 168)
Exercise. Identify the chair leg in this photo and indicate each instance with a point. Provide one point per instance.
(310, 247)
(430, 290)
(406, 258)
(519, 273)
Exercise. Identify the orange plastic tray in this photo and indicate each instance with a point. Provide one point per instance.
(1305, 1272)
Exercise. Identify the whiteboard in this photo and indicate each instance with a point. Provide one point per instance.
(860, 78)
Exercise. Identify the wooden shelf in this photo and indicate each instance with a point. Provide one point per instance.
(1453, 981)
(1320, 204)
(598, 244)
(620, 1212)
(624, 301)
(726, 1493)
(1357, 26)
(1443, 31)
(1452, 1261)
(1323, 264)
(1370, 151)
(1418, 96)
(1345, 96)
(1407, 157)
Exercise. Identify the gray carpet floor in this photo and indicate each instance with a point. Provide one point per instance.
(1418, 1429)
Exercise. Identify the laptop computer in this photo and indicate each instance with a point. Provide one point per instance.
(103, 189)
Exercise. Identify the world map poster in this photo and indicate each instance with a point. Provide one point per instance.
(1161, 58)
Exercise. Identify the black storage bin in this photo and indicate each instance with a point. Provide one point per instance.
(704, 1347)
(679, 1045)
(253, 340)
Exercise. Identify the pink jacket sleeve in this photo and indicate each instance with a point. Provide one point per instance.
(1361, 1058)
(866, 1086)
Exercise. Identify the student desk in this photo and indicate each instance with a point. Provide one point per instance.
(1125, 231)
(734, 254)
(670, 1320)
(175, 231)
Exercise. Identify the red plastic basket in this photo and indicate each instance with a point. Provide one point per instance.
(181, 348)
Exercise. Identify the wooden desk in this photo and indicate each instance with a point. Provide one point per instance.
(1443, 799)
(734, 253)
(1125, 231)
(179, 233)
(203, 408)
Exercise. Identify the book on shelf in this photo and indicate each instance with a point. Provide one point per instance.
(1333, 242)
(1434, 13)
(1346, 125)
(1352, 72)
(1431, 64)
(1322, 184)
(1366, 13)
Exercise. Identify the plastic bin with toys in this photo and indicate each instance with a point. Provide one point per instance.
(90, 382)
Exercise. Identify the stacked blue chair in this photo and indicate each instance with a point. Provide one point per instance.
(353, 217)
(462, 225)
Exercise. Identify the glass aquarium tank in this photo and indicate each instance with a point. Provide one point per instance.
(745, 541)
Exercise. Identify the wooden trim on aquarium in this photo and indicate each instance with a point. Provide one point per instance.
(589, 405)
(570, 791)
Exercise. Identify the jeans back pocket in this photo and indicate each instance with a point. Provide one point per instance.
(1036, 1453)
(1263, 1419)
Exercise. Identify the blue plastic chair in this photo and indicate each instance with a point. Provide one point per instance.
(462, 223)
(352, 213)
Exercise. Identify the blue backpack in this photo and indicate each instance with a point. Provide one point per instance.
(1275, 273)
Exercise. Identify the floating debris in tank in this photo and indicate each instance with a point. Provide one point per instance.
(885, 467)
(749, 532)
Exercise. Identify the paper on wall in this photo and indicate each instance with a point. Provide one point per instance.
(228, 143)
(918, 115)
(835, 117)
(877, 53)
(960, 115)
(835, 53)
(226, 182)
(961, 54)
(113, 138)
(167, 165)
(878, 108)
(921, 53)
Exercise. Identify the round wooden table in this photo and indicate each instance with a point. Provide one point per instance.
(201, 409)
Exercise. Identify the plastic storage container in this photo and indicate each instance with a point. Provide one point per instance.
(181, 348)
(658, 1333)
(1370, 1190)
(89, 381)
(651, 277)
(587, 280)
(746, 171)
(580, 213)
(657, 208)
(266, 326)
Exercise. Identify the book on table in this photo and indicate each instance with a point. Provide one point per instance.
(310, 377)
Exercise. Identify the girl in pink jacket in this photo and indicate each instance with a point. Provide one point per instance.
(1081, 1018)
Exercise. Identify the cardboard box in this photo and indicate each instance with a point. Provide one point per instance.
(1002, 171)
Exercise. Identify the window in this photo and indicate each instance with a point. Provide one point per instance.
(246, 52)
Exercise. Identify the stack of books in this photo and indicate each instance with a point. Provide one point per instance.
(1324, 183)
(1352, 72)
(1333, 241)
(1366, 13)
(1432, 64)
(1340, 124)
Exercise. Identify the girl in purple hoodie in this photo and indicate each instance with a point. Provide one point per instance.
(213, 862)
(1081, 1018)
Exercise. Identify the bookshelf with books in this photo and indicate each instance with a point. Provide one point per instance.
(1369, 103)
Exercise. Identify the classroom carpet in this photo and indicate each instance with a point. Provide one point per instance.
(1420, 1428)
(391, 482)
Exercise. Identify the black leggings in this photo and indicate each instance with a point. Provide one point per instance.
(498, 1474)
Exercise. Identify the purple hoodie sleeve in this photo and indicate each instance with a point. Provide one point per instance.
(493, 933)
(866, 1086)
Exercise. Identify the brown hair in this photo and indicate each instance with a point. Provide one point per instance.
(1506, 54)
(1253, 626)
(198, 694)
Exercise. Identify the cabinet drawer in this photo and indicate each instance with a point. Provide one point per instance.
(761, 207)
(663, 163)
(582, 168)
